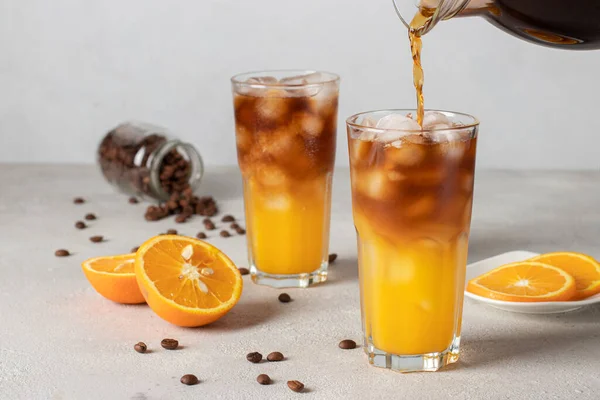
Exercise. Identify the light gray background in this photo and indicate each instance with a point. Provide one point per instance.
(72, 69)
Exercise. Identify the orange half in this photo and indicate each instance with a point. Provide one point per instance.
(114, 278)
(585, 270)
(526, 281)
(186, 281)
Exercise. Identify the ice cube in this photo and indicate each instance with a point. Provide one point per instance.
(397, 126)
(433, 118)
(262, 80)
(368, 121)
(313, 80)
(308, 124)
(277, 201)
(272, 105)
(270, 175)
(404, 154)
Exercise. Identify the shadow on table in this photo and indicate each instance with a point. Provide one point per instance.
(579, 328)
(343, 270)
(247, 314)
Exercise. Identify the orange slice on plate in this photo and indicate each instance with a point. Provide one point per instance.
(186, 281)
(526, 281)
(585, 270)
(114, 278)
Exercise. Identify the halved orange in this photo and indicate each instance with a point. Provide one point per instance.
(186, 281)
(114, 278)
(585, 270)
(527, 281)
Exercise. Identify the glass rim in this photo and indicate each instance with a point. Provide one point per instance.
(350, 121)
(331, 77)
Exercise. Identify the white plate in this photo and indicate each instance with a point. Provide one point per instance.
(546, 307)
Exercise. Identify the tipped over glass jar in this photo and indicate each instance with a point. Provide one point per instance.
(145, 160)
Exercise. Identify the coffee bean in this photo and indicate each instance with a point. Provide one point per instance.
(240, 231)
(244, 271)
(181, 218)
(140, 347)
(171, 231)
(347, 344)
(62, 253)
(332, 258)
(284, 298)
(201, 235)
(80, 225)
(234, 226)
(133, 200)
(275, 356)
(228, 218)
(209, 226)
(189, 379)
(254, 357)
(263, 379)
(169, 344)
(224, 234)
(296, 386)
(78, 200)
(97, 239)
(90, 217)
(135, 249)
(207, 221)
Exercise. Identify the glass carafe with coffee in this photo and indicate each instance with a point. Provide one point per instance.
(564, 24)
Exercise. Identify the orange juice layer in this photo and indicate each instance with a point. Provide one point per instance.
(411, 291)
(288, 229)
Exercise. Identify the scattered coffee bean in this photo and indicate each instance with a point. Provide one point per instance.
(347, 344)
(234, 226)
(201, 235)
(135, 249)
(240, 231)
(275, 356)
(90, 217)
(254, 357)
(189, 379)
(296, 386)
(224, 234)
(96, 239)
(140, 347)
(209, 225)
(332, 258)
(206, 220)
(263, 379)
(284, 298)
(169, 344)
(244, 271)
(133, 200)
(62, 253)
(78, 200)
(171, 231)
(80, 225)
(228, 218)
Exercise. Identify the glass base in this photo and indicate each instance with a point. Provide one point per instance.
(289, 281)
(428, 362)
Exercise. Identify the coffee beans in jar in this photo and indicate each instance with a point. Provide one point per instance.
(144, 160)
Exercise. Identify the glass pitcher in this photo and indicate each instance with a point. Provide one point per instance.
(565, 24)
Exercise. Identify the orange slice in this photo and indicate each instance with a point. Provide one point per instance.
(114, 278)
(186, 281)
(583, 268)
(527, 281)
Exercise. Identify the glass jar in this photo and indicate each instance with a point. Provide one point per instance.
(564, 24)
(145, 160)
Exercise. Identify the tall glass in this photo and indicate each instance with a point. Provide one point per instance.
(286, 133)
(412, 193)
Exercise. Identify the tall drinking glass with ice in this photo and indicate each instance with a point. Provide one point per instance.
(412, 191)
(285, 125)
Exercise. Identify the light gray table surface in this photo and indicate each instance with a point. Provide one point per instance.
(61, 340)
